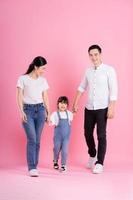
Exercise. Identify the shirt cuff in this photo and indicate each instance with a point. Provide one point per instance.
(113, 98)
(80, 89)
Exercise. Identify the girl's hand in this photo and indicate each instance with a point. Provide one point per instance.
(50, 123)
(23, 116)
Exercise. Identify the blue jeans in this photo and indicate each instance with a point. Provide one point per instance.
(33, 127)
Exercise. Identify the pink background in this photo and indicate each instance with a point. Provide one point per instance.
(62, 31)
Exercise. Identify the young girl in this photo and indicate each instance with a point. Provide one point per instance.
(62, 120)
(32, 99)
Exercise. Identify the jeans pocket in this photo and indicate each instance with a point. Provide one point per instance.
(42, 107)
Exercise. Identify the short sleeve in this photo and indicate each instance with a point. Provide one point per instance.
(70, 116)
(20, 82)
(45, 85)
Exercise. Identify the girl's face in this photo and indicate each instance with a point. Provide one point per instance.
(62, 106)
(40, 70)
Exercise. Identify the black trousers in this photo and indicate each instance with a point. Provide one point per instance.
(98, 118)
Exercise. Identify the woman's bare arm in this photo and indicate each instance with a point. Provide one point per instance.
(46, 103)
(19, 97)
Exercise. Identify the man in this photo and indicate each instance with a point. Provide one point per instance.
(102, 95)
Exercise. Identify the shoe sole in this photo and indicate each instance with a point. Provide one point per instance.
(34, 175)
(63, 171)
(97, 172)
(56, 168)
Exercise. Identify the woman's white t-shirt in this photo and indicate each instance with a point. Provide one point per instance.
(54, 118)
(32, 88)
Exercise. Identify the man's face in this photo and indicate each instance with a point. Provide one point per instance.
(95, 57)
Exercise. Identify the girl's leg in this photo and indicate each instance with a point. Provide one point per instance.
(57, 144)
(64, 150)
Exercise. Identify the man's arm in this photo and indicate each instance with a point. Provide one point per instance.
(82, 87)
(76, 100)
(113, 93)
(19, 97)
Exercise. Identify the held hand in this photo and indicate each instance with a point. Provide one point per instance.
(75, 108)
(48, 118)
(23, 116)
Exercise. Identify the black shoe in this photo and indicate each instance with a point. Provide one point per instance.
(63, 168)
(56, 166)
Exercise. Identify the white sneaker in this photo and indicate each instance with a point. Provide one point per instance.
(33, 173)
(98, 169)
(91, 162)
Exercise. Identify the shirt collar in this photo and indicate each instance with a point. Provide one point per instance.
(99, 67)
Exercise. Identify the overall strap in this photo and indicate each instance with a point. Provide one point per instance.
(58, 115)
(67, 115)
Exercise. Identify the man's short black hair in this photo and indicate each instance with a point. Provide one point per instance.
(63, 99)
(95, 46)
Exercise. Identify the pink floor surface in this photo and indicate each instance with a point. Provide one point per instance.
(78, 183)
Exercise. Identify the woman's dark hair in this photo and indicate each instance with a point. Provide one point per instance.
(38, 62)
(63, 99)
(95, 46)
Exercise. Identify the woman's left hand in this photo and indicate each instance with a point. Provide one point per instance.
(48, 118)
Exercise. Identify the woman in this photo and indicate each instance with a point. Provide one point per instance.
(33, 103)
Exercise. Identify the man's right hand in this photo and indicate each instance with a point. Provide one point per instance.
(75, 108)
(76, 100)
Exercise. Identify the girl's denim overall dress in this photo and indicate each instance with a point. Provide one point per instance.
(61, 139)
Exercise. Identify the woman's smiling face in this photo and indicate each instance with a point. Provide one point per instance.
(40, 70)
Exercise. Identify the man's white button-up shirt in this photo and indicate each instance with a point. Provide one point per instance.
(102, 86)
